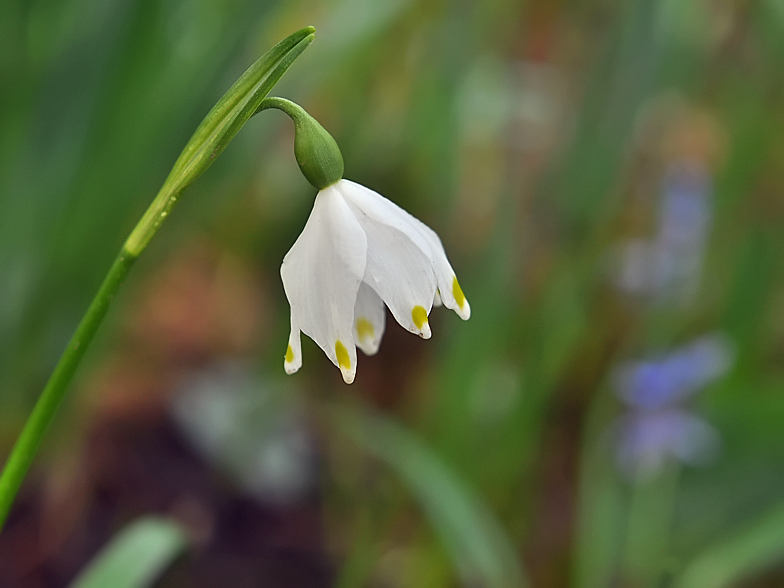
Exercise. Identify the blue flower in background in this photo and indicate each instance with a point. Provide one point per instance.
(655, 427)
(656, 384)
(669, 266)
(683, 233)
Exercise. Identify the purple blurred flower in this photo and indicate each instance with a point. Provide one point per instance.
(683, 234)
(685, 212)
(669, 266)
(655, 384)
(649, 439)
(655, 429)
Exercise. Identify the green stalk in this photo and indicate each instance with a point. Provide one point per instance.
(212, 136)
(649, 529)
(30, 439)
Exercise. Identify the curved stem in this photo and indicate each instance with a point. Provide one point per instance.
(211, 137)
(292, 109)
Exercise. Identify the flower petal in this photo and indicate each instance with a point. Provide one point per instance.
(292, 361)
(387, 212)
(369, 319)
(399, 266)
(321, 276)
(450, 293)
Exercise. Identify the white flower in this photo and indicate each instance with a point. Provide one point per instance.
(357, 252)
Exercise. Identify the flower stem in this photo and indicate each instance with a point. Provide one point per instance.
(212, 136)
(649, 529)
(30, 439)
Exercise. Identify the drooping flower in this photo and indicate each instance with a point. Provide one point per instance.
(357, 253)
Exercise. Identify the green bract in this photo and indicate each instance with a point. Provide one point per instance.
(217, 130)
(317, 153)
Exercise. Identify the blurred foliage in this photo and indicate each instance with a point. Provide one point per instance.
(536, 138)
(136, 556)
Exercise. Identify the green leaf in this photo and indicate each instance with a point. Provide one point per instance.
(479, 546)
(750, 551)
(136, 557)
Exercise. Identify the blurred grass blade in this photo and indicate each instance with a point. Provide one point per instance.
(603, 503)
(749, 552)
(478, 544)
(136, 557)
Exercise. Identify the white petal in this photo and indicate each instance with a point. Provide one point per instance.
(437, 301)
(450, 293)
(292, 361)
(399, 266)
(321, 276)
(384, 211)
(369, 319)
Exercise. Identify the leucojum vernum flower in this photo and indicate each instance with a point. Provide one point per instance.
(357, 252)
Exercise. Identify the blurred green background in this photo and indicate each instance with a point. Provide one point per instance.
(607, 179)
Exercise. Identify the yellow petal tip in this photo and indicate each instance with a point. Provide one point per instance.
(457, 293)
(365, 329)
(344, 362)
(419, 315)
